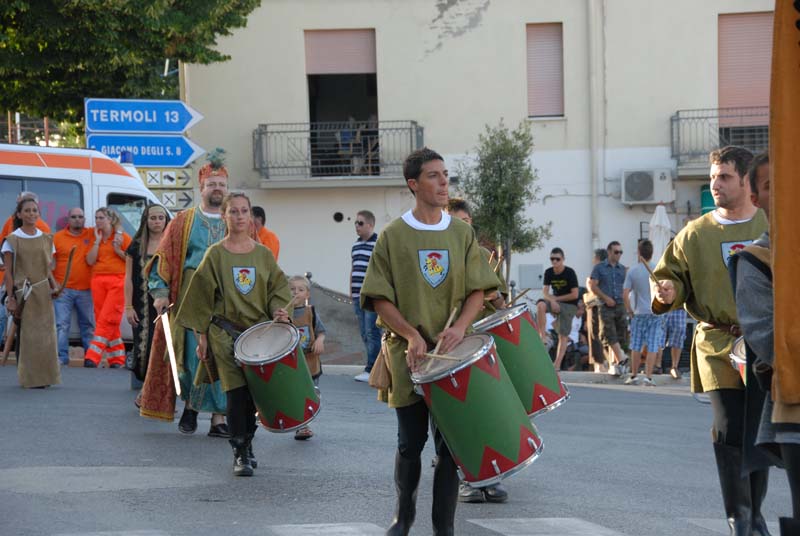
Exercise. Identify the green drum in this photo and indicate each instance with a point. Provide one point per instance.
(277, 376)
(525, 358)
(475, 407)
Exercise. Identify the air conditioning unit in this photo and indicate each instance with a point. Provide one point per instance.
(647, 187)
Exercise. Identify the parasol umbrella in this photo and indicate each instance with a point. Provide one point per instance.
(659, 231)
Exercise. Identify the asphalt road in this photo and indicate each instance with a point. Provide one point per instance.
(77, 459)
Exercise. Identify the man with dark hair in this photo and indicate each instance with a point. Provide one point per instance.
(562, 302)
(606, 283)
(693, 274)
(359, 256)
(265, 236)
(647, 329)
(425, 264)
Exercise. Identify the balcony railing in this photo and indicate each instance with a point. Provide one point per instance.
(695, 133)
(285, 151)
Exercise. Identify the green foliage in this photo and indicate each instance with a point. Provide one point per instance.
(500, 184)
(53, 53)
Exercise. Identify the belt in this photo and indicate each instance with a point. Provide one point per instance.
(731, 329)
(231, 328)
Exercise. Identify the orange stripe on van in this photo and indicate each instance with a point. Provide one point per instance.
(65, 161)
(19, 158)
(103, 165)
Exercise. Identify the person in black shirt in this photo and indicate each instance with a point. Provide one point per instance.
(560, 298)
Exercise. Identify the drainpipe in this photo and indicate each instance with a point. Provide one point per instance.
(596, 55)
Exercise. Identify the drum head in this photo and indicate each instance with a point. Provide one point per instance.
(738, 353)
(261, 344)
(500, 317)
(469, 350)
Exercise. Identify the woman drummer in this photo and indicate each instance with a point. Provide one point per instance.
(237, 285)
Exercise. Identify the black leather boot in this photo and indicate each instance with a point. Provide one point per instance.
(250, 455)
(406, 480)
(445, 496)
(758, 490)
(789, 526)
(241, 463)
(735, 489)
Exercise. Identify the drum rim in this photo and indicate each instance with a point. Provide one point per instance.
(462, 365)
(295, 339)
(738, 345)
(499, 317)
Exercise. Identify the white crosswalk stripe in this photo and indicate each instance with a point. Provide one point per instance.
(116, 533)
(544, 526)
(329, 529)
(720, 526)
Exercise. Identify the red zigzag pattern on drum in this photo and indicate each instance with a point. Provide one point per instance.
(462, 377)
(288, 422)
(265, 371)
(504, 464)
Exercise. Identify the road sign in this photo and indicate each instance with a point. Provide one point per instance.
(176, 199)
(148, 151)
(167, 178)
(139, 116)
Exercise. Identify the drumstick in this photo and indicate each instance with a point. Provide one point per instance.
(500, 260)
(449, 321)
(441, 356)
(289, 309)
(491, 257)
(208, 369)
(650, 271)
(518, 296)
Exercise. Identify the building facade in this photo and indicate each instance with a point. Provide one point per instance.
(321, 101)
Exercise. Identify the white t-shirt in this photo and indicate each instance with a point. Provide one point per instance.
(20, 233)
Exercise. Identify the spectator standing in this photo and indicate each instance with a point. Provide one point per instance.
(562, 302)
(606, 282)
(107, 259)
(8, 226)
(360, 254)
(674, 338)
(593, 303)
(264, 235)
(139, 310)
(312, 334)
(76, 294)
(28, 255)
(647, 329)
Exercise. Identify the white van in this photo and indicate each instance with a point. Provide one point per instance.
(67, 178)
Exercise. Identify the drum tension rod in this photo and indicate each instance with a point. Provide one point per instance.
(453, 381)
(532, 443)
(491, 360)
(280, 423)
(496, 467)
(510, 327)
(543, 399)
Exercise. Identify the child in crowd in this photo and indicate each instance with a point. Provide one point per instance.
(312, 334)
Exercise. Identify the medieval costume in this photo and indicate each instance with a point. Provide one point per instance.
(696, 262)
(37, 348)
(229, 293)
(424, 271)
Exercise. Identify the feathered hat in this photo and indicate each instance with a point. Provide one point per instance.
(214, 167)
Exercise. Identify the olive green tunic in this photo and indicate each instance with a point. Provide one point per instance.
(696, 262)
(243, 288)
(425, 274)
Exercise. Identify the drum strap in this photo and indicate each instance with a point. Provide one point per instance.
(231, 328)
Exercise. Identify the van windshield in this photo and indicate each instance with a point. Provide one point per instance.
(130, 209)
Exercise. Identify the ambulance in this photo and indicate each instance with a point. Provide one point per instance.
(67, 178)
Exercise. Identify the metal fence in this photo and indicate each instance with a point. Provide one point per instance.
(695, 133)
(334, 149)
(27, 130)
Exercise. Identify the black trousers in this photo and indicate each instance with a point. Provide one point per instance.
(412, 432)
(241, 412)
(728, 408)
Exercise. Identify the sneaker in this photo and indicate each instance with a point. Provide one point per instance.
(88, 363)
(115, 365)
(363, 377)
(468, 494)
(632, 380)
(495, 494)
(303, 433)
(648, 382)
(675, 373)
(613, 370)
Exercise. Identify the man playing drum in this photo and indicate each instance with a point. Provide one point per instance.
(237, 284)
(424, 265)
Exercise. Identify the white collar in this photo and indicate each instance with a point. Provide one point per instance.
(210, 215)
(725, 221)
(414, 223)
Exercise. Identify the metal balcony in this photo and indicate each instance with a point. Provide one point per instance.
(695, 133)
(360, 152)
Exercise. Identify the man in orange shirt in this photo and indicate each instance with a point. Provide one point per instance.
(75, 293)
(265, 236)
